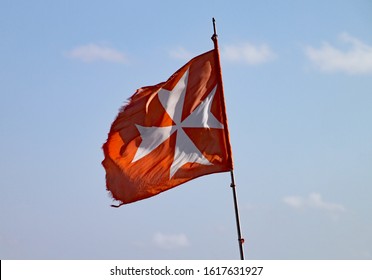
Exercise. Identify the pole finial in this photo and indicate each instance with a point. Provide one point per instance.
(214, 36)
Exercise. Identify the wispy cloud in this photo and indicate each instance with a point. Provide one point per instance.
(170, 241)
(181, 53)
(356, 60)
(96, 52)
(247, 53)
(294, 201)
(314, 201)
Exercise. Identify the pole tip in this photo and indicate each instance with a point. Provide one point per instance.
(214, 29)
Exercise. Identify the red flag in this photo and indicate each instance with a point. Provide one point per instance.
(169, 133)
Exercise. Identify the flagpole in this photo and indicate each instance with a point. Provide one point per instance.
(240, 239)
(232, 185)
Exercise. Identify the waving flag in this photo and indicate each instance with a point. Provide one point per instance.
(169, 133)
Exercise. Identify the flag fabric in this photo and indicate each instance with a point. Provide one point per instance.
(169, 133)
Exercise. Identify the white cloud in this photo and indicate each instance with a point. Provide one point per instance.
(170, 241)
(314, 201)
(356, 60)
(294, 201)
(247, 53)
(94, 52)
(181, 53)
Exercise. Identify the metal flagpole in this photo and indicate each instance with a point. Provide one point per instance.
(240, 239)
(233, 186)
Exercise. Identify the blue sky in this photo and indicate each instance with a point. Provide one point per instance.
(298, 88)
